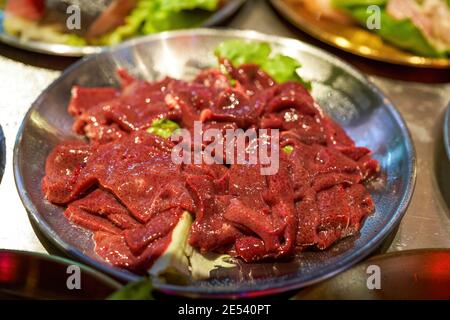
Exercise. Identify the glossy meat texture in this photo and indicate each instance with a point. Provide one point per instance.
(124, 187)
(26, 9)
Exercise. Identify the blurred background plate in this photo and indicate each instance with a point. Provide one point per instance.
(27, 275)
(229, 8)
(367, 116)
(351, 38)
(405, 275)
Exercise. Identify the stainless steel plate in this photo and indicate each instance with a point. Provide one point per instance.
(27, 275)
(447, 131)
(216, 18)
(347, 95)
(406, 275)
(2, 153)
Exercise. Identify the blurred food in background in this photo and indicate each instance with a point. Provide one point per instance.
(418, 26)
(103, 22)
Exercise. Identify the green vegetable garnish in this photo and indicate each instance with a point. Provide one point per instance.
(283, 68)
(401, 33)
(163, 128)
(179, 5)
(152, 16)
(240, 52)
(280, 67)
(75, 40)
(141, 290)
(288, 149)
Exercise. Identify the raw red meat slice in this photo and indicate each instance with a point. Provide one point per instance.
(160, 225)
(265, 207)
(308, 220)
(249, 77)
(84, 98)
(210, 231)
(135, 108)
(361, 204)
(326, 163)
(138, 169)
(213, 78)
(292, 95)
(251, 249)
(89, 221)
(111, 18)
(62, 171)
(232, 106)
(114, 250)
(335, 213)
(103, 203)
(27, 9)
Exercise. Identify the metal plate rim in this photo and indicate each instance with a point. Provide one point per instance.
(2, 153)
(377, 260)
(65, 261)
(74, 51)
(447, 131)
(227, 293)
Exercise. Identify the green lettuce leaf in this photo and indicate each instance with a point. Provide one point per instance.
(178, 5)
(240, 52)
(133, 23)
(140, 290)
(280, 67)
(164, 21)
(288, 149)
(400, 33)
(163, 128)
(283, 68)
(152, 16)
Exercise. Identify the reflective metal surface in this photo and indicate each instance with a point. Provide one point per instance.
(414, 274)
(447, 131)
(27, 275)
(2, 153)
(351, 38)
(353, 101)
(228, 9)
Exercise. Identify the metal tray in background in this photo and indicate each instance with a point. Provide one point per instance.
(352, 38)
(422, 274)
(225, 12)
(341, 90)
(30, 275)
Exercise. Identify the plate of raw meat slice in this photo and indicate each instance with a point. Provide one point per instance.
(95, 168)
